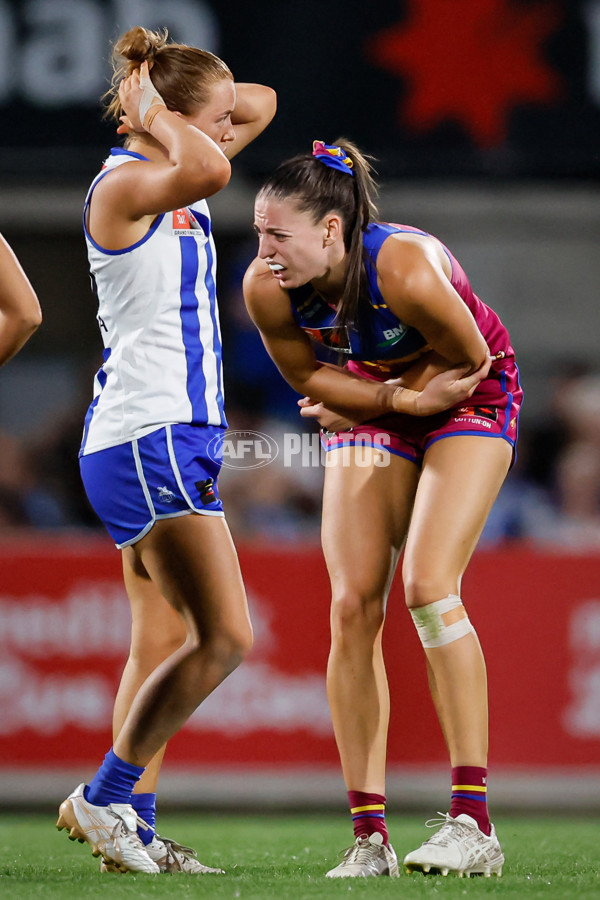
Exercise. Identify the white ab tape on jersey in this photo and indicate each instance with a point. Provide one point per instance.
(430, 625)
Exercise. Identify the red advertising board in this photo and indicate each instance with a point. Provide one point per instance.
(64, 632)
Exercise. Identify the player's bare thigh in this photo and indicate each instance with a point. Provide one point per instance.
(193, 562)
(459, 483)
(157, 629)
(367, 501)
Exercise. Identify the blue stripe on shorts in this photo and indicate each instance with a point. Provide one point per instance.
(170, 472)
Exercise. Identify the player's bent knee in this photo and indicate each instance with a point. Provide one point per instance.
(233, 647)
(421, 587)
(244, 644)
(441, 622)
(221, 654)
(354, 610)
(230, 657)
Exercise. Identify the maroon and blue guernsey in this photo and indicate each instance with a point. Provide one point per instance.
(381, 346)
(381, 340)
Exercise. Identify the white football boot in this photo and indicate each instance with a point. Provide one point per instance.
(170, 856)
(111, 832)
(460, 847)
(367, 856)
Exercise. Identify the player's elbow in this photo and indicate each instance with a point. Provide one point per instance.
(35, 318)
(470, 354)
(268, 104)
(479, 358)
(303, 381)
(297, 376)
(214, 176)
(199, 178)
(29, 319)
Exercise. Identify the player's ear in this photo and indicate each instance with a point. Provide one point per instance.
(333, 229)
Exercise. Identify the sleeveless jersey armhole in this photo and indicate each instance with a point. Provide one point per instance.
(86, 209)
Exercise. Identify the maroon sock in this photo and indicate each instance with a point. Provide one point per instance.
(469, 795)
(368, 814)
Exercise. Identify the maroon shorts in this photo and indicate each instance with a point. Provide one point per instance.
(493, 411)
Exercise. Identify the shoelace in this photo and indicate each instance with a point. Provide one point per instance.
(121, 825)
(173, 847)
(448, 825)
(360, 852)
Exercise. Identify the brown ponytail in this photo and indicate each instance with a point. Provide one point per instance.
(182, 75)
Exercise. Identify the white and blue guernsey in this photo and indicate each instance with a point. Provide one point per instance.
(157, 311)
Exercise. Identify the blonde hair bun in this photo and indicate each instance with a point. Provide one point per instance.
(140, 44)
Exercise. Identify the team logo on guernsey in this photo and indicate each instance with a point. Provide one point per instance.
(184, 222)
(334, 338)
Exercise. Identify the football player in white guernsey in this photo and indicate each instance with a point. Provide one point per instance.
(20, 312)
(153, 434)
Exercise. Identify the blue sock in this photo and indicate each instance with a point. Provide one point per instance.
(113, 782)
(145, 807)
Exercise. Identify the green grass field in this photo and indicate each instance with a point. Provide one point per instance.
(286, 857)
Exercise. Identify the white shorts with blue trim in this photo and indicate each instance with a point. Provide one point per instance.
(170, 472)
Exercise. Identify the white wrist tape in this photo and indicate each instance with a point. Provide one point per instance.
(430, 624)
(150, 96)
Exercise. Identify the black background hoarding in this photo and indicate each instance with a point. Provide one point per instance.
(440, 88)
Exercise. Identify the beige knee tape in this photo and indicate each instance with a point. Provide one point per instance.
(430, 625)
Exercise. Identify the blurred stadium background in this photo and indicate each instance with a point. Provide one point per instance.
(484, 118)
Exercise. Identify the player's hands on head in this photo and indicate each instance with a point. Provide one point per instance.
(140, 101)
